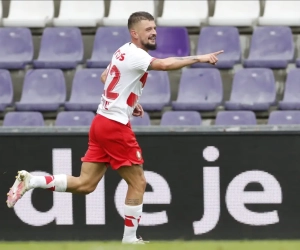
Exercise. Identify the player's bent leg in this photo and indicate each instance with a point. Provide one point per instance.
(91, 174)
(134, 176)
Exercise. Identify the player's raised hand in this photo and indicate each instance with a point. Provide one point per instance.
(210, 58)
(138, 111)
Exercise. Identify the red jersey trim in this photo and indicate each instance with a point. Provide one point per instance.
(152, 60)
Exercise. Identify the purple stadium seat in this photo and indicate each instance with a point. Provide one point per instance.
(86, 90)
(213, 39)
(235, 118)
(6, 89)
(43, 90)
(284, 118)
(171, 41)
(74, 118)
(107, 41)
(252, 89)
(271, 47)
(181, 118)
(156, 93)
(16, 48)
(23, 119)
(140, 121)
(291, 98)
(61, 47)
(199, 89)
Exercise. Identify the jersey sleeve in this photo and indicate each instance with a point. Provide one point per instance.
(140, 60)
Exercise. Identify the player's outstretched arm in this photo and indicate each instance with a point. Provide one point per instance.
(173, 63)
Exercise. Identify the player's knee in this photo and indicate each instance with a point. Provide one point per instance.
(89, 190)
(139, 184)
(86, 189)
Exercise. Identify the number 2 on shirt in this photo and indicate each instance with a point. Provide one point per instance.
(112, 95)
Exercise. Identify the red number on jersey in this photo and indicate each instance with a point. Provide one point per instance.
(108, 92)
(131, 101)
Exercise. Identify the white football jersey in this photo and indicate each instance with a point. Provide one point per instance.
(126, 78)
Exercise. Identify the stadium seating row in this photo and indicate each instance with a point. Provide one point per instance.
(86, 13)
(63, 47)
(200, 89)
(169, 118)
(271, 47)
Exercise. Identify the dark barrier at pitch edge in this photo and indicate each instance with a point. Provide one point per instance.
(200, 186)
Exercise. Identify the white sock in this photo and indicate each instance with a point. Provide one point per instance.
(132, 219)
(56, 183)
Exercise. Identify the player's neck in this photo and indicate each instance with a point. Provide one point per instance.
(139, 46)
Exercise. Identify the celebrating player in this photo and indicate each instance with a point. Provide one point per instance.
(111, 139)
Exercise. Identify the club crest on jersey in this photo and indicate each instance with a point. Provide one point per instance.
(120, 56)
(138, 155)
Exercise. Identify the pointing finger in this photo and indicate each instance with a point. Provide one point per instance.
(218, 53)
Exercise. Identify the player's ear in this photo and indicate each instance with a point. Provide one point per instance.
(134, 33)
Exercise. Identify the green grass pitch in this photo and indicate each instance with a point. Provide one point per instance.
(160, 245)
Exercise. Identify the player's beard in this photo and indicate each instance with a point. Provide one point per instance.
(150, 46)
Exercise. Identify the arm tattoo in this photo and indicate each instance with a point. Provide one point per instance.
(187, 57)
(134, 202)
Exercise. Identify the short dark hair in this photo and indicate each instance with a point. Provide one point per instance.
(139, 16)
